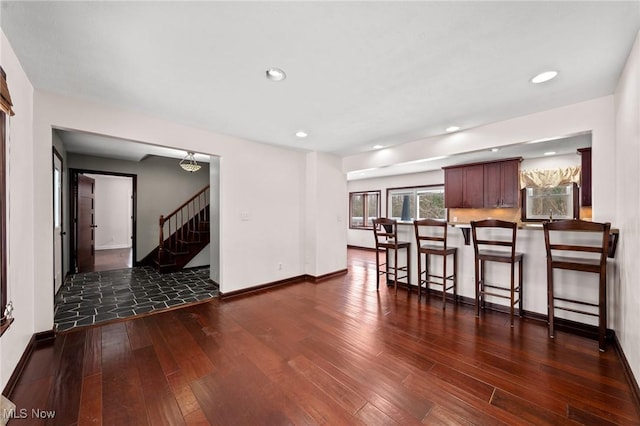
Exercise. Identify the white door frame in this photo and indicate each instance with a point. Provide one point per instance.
(58, 220)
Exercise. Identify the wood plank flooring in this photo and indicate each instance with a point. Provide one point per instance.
(337, 352)
(108, 260)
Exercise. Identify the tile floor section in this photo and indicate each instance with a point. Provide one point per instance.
(96, 297)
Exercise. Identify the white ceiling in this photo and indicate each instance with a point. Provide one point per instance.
(359, 73)
(121, 149)
(527, 150)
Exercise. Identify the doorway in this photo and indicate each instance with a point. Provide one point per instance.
(58, 232)
(103, 223)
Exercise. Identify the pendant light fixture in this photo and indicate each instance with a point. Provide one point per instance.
(189, 163)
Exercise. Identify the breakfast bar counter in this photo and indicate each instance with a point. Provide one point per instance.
(530, 241)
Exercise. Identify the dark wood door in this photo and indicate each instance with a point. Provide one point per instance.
(510, 183)
(86, 224)
(453, 188)
(473, 192)
(492, 185)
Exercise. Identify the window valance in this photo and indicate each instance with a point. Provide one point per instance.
(5, 97)
(549, 178)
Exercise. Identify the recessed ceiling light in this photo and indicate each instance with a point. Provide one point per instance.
(550, 153)
(495, 149)
(301, 134)
(452, 129)
(275, 74)
(544, 76)
(377, 146)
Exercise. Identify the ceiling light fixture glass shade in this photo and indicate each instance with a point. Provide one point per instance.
(452, 129)
(545, 76)
(189, 163)
(301, 134)
(275, 74)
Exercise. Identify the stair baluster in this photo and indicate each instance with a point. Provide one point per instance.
(181, 233)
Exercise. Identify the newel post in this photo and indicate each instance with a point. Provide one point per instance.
(161, 238)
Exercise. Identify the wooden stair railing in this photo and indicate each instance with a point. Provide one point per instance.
(183, 227)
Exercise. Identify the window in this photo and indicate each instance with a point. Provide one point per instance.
(558, 202)
(408, 204)
(364, 207)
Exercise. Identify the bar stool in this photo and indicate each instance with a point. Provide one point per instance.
(595, 263)
(434, 232)
(385, 232)
(498, 228)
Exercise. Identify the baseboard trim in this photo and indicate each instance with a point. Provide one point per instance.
(325, 277)
(287, 281)
(628, 372)
(38, 339)
(561, 324)
(262, 287)
(349, 246)
(113, 247)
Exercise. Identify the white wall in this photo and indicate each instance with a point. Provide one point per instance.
(626, 292)
(21, 238)
(214, 218)
(326, 215)
(112, 201)
(551, 162)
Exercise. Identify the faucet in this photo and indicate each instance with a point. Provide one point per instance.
(550, 215)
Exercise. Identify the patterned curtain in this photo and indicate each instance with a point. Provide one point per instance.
(549, 178)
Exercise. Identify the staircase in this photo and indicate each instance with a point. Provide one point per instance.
(182, 234)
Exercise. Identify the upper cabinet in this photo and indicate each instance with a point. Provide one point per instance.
(463, 187)
(585, 178)
(501, 186)
(482, 185)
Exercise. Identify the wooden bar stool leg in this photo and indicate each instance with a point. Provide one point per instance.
(419, 274)
(602, 310)
(395, 270)
(477, 286)
(513, 299)
(377, 269)
(386, 266)
(483, 266)
(550, 308)
(520, 303)
(426, 275)
(444, 281)
(408, 271)
(455, 276)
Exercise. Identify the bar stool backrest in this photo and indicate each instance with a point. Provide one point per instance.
(385, 230)
(590, 237)
(494, 233)
(431, 232)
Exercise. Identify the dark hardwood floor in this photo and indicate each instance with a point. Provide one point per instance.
(337, 352)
